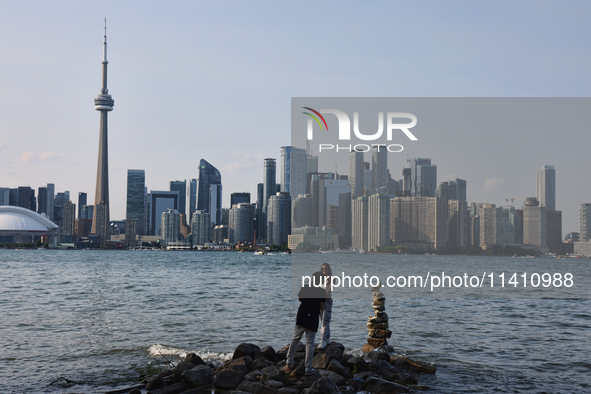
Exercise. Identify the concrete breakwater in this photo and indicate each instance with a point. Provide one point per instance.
(255, 370)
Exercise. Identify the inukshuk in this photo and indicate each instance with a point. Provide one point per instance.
(377, 325)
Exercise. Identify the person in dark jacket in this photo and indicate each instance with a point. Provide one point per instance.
(311, 299)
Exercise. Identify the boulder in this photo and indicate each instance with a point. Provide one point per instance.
(367, 348)
(272, 373)
(381, 315)
(289, 390)
(310, 391)
(381, 386)
(375, 319)
(261, 363)
(357, 364)
(338, 368)
(244, 365)
(321, 361)
(309, 380)
(180, 368)
(257, 388)
(334, 351)
(155, 382)
(412, 365)
(274, 384)
(377, 355)
(270, 354)
(365, 375)
(247, 349)
(336, 378)
(377, 326)
(194, 359)
(325, 386)
(172, 389)
(299, 371)
(390, 372)
(199, 376)
(228, 379)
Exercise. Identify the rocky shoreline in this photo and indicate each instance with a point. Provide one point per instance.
(255, 370)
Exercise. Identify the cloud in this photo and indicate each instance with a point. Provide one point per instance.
(494, 184)
(31, 157)
(27, 156)
(243, 163)
(3, 146)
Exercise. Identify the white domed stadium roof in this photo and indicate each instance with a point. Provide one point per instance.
(22, 219)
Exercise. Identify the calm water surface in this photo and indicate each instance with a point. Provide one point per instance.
(99, 318)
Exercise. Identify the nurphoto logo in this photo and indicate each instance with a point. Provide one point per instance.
(344, 129)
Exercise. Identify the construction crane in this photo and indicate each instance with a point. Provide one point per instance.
(510, 199)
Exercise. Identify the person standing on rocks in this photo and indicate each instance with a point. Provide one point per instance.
(326, 310)
(311, 297)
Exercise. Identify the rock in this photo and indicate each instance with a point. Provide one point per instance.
(244, 365)
(289, 390)
(272, 373)
(378, 294)
(172, 389)
(380, 333)
(377, 342)
(378, 326)
(412, 365)
(310, 391)
(247, 349)
(374, 319)
(135, 391)
(338, 368)
(256, 388)
(378, 355)
(381, 315)
(155, 382)
(299, 371)
(325, 386)
(334, 351)
(367, 348)
(194, 359)
(348, 390)
(270, 354)
(309, 380)
(365, 375)
(378, 303)
(199, 376)
(390, 372)
(336, 378)
(274, 384)
(261, 363)
(281, 354)
(254, 376)
(180, 368)
(357, 364)
(379, 307)
(321, 361)
(381, 386)
(228, 379)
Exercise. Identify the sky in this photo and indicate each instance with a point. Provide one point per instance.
(214, 80)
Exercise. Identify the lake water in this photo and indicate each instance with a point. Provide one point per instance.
(99, 318)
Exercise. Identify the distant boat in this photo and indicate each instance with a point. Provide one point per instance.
(261, 252)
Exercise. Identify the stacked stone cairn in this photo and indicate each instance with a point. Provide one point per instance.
(377, 325)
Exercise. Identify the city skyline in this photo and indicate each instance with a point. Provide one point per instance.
(64, 154)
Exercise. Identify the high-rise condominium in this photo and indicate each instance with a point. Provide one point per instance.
(209, 176)
(356, 174)
(423, 178)
(293, 171)
(379, 167)
(181, 187)
(547, 187)
(136, 208)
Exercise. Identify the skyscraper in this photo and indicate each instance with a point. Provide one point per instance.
(82, 199)
(269, 189)
(136, 209)
(102, 103)
(356, 174)
(423, 178)
(50, 200)
(192, 197)
(279, 218)
(208, 176)
(547, 187)
(237, 198)
(181, 187)
(200, 228)
(379, 168)
(585, 222)
(161, 201)
(241, 223)
(293, 171)
(378, 221)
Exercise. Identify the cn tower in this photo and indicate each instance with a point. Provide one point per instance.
(101, 223)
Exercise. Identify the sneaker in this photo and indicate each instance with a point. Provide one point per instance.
(328, 341)
(322, 344)
(310, 371)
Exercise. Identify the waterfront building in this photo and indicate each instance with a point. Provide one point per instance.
(329, 192)
(269, 189)
(136, 201)
(585, 222)
(171, 227)
(87, 213)
(68, 224)
(293, 171)
(20, 225)
(458, 223)
(200, 228)
(103, 103)
(419, 220)
(534, 223)
(209, 176)
(359, 222)
(378, 222)
(554, 231)
(192, 196)
(181, 187)
(344, 221)
(356, 174)
(50, 200)
(41, 199)
(241, 226)
(313, 238)
(547, 187)
(302, 211)
(423, 178)
(220, 234)
(379, 168)
(238, 198)
(26, 198)
(452, 190)
(82, 201)
(279, 218)
(160, 202)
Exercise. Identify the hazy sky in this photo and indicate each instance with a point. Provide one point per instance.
(214, 80)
